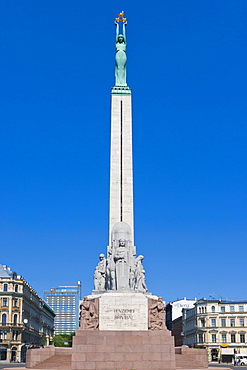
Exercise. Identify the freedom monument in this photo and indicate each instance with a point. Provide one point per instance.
(122, 325)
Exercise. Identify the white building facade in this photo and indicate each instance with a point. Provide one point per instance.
(217, 325)
(174, 309)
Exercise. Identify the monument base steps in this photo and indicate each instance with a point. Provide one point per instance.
(191, 358)
(118, 350)
(56, 362)
(110, 350)
(49, 357)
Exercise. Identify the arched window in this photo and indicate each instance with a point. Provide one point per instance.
(13, 354)
(214, 354)
(16, 288)
(5, 287)
(4, 319)
(202, 309)
(213, 308)
(15, 319)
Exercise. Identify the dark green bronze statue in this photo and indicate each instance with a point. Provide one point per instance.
(121, 58)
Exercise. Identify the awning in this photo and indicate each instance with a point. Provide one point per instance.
(243, 352)
(3, 348)
(227, 351)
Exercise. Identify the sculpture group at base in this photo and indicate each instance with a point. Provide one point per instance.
(156, 315)
(121, 270)
(89, 314)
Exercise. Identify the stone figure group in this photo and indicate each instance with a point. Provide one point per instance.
(89, 318)
(121, 270)
(156, 317)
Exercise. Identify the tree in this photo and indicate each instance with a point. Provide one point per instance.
(63, 340)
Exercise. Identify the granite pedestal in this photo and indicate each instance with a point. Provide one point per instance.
(123, 350)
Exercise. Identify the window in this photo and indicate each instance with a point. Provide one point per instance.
(5, 302)
(241, 308)
(15, 319)
(223, 323)
(233, 338)
(5, 334)
(200, 338)
(15, 302)
(213, 338)
(223, 338)
(203, 323)
(222, 309)
(232, 323)
(5, 287)
(213, 308)
(242, 338)
(4, 319)
(232, 309)
(16, 288)
(213, 322)
(241, 321)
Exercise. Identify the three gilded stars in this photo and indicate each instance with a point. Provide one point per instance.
(121, 18)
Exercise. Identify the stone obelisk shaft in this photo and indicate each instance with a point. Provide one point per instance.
(121, 173)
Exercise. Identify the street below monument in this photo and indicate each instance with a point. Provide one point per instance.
(230, 366)
(11, 365)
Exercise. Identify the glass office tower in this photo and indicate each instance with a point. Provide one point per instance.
(65, 301)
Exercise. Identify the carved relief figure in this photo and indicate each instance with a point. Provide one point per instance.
(133, 272)
(157, 315)
(97, 279)
(122, 265)
(110, 272)
(89, 319)
(100, 274)
(140, 284)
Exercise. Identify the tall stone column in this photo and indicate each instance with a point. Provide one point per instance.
(123, 270)
(121, 173)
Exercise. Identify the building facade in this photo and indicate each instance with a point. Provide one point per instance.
(65, 301)
(174, 318)
(219, 326)
(174, 310)
(25, 319)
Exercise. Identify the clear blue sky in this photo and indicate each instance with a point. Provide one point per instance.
(187, 67)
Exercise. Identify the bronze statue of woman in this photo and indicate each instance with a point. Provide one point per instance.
(121, 58)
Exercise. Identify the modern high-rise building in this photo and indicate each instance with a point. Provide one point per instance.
(65, 301)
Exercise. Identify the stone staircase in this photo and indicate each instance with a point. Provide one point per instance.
(184, 362)
(190, 358)
(56, 362)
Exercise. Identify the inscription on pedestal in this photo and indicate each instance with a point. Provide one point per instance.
(123, 311)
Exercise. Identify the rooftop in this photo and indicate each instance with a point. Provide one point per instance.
(5, 272)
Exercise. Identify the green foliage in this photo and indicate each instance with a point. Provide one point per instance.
(63, 340)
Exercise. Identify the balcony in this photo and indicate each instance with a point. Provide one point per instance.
(8, 324)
